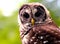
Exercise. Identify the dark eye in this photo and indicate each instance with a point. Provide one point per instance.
(37, 14)
(26, 15)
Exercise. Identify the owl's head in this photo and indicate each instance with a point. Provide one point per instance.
(33, 13)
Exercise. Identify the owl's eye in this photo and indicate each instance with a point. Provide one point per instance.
(26, 15)
(37, 14)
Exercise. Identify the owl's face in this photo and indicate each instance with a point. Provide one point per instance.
(32, 14)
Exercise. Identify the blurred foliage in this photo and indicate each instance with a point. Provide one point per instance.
(9, 32)
(9, 29)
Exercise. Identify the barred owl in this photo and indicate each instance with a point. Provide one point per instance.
(37, 26)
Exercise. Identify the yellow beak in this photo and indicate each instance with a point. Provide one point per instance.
(32, 21)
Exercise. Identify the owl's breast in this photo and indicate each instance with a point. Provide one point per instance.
(43, 38)
(39, 37)
(41, 34)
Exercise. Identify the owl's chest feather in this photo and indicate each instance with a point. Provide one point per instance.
(42, 38)
(38, 36)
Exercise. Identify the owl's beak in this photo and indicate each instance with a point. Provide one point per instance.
(32, 21)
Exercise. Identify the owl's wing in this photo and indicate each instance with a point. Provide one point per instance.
(52, 29)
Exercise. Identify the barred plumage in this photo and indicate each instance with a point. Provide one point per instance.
(40, 30)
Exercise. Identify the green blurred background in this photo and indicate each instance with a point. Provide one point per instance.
(9, 28)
